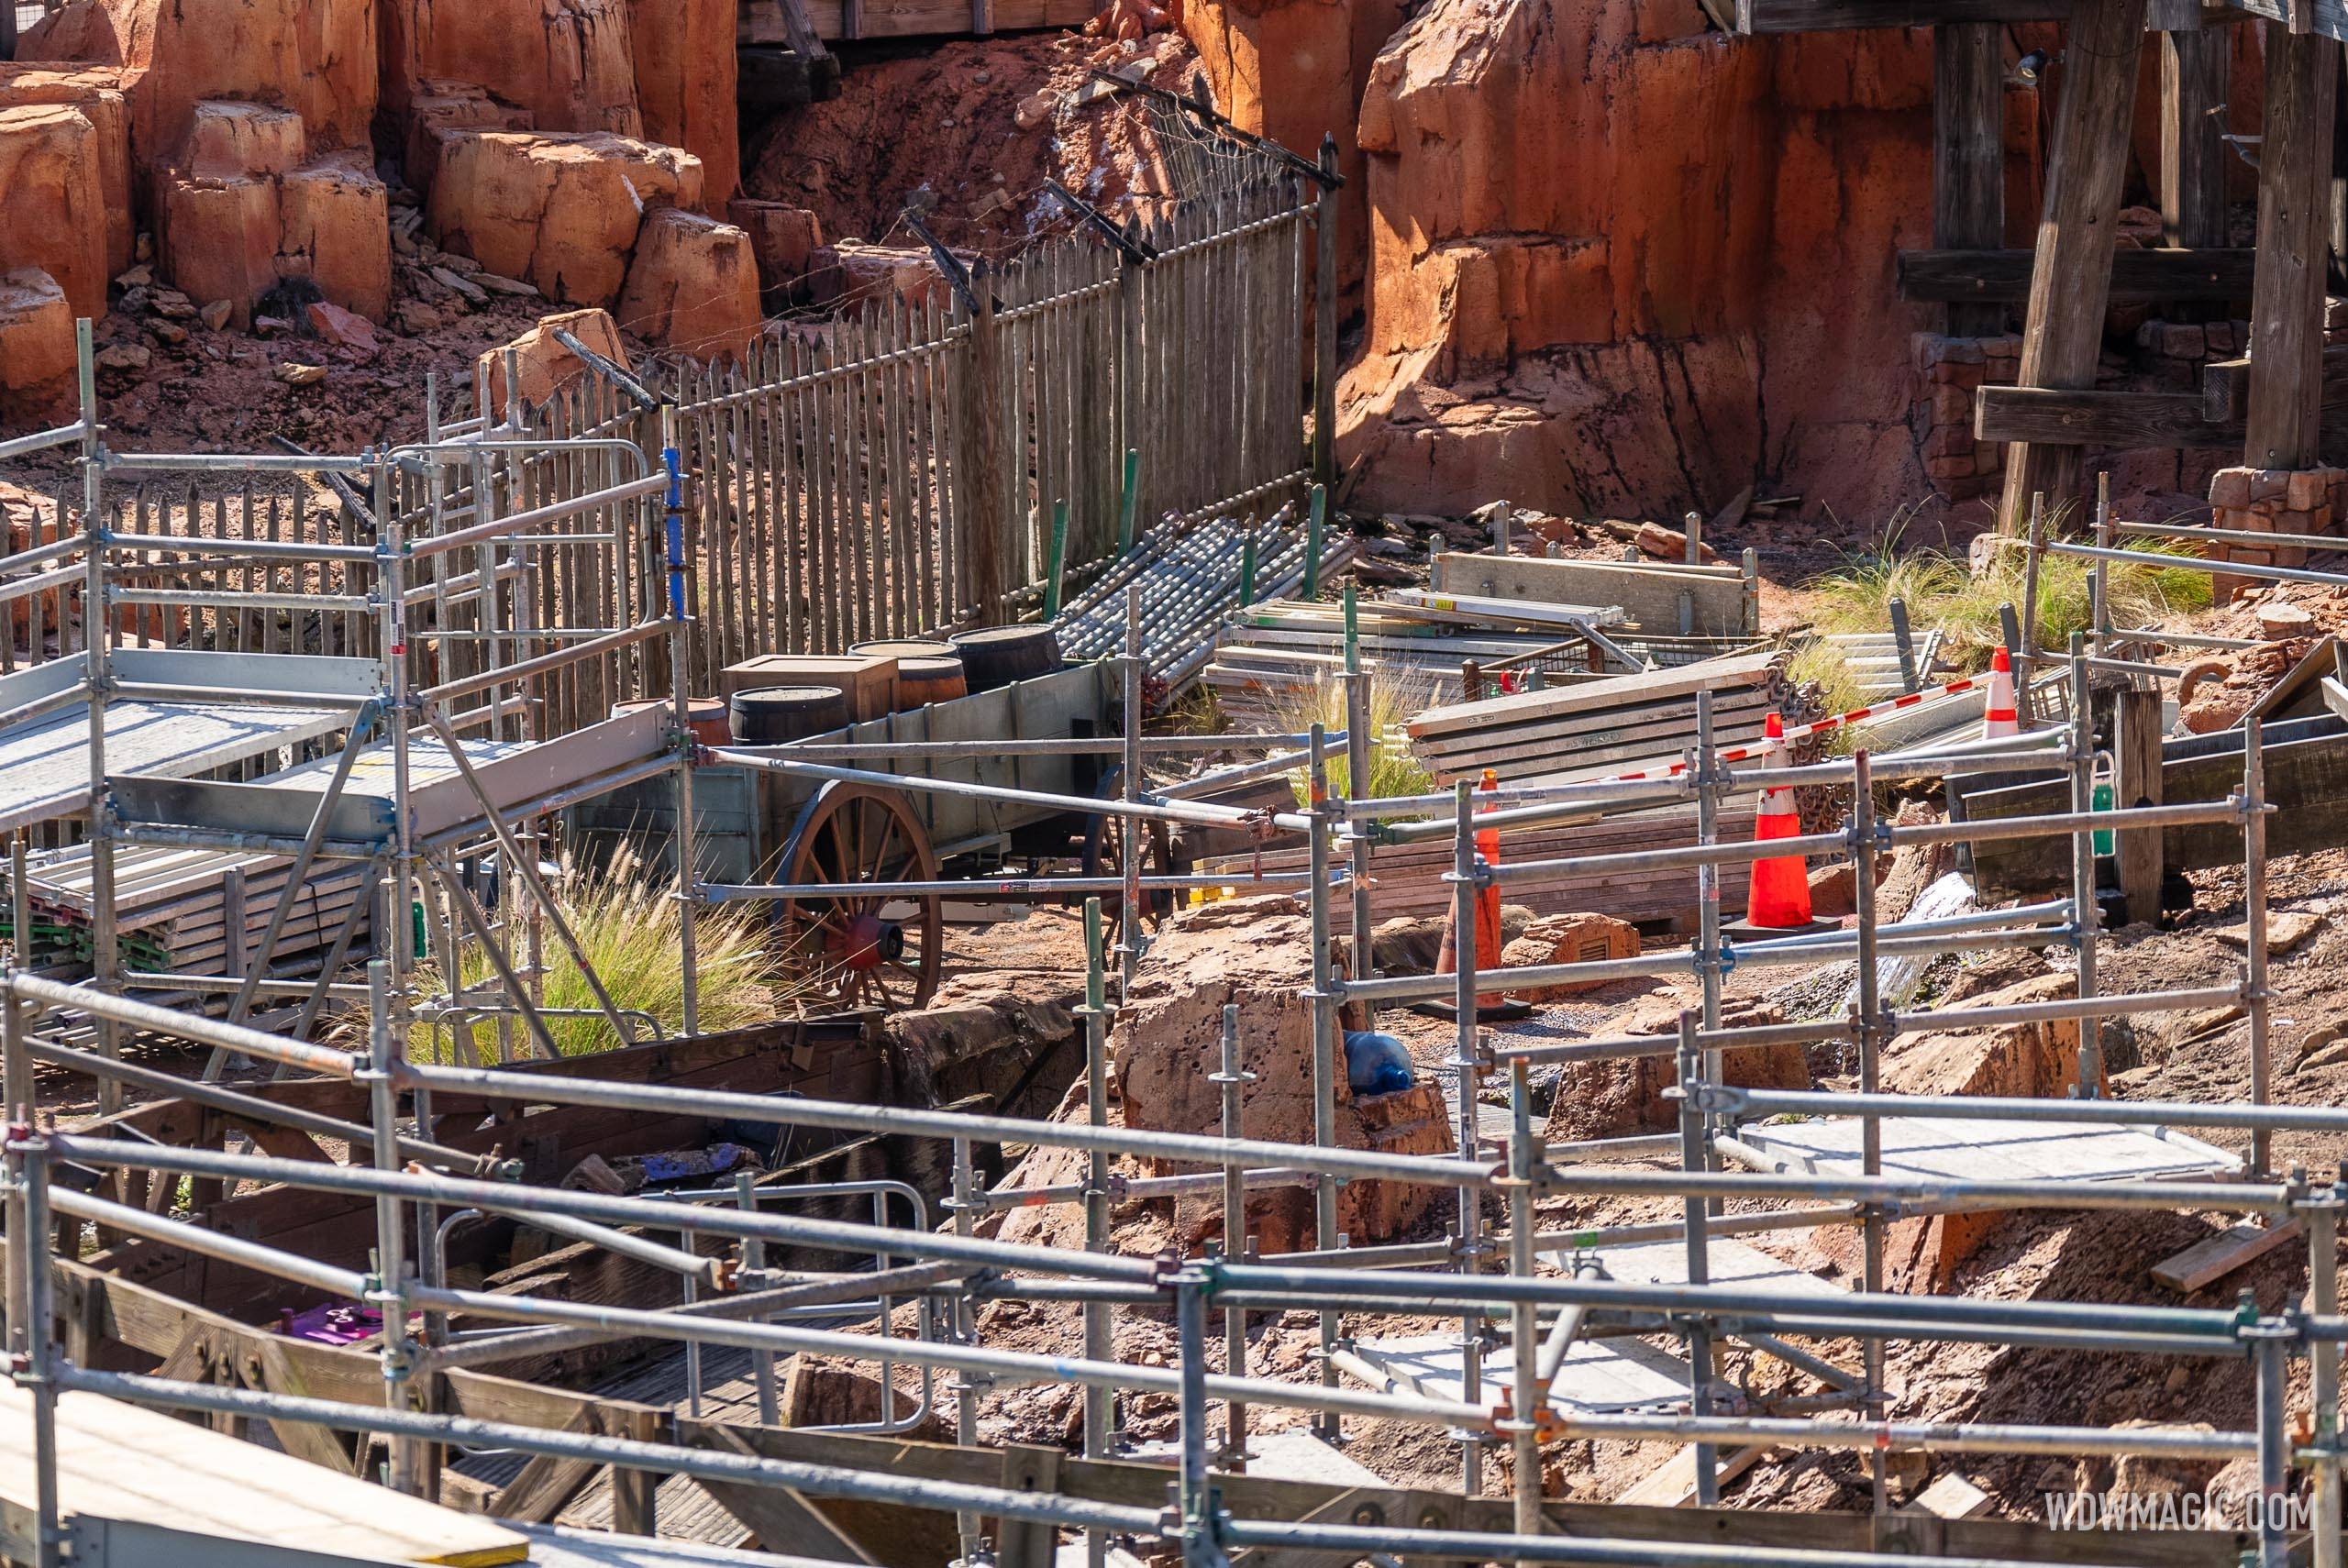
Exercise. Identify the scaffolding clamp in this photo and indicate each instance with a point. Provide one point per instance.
(1545, 1425)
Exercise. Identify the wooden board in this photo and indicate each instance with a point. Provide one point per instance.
(1672, 1483)
(1599, 1376)
(2307, 775)
(2119, 420)
(1252, 1497)
(1984, 1149)
(1714, 675)
(2003, 276)
(1649, 593)
(192, 1479)
(2214, 1258)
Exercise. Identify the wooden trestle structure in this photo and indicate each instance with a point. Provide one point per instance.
(2270, 403)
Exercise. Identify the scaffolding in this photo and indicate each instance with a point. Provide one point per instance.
(1515, 1376)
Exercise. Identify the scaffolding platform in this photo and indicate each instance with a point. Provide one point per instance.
(1727, 1261)
(1599, 1377)
(1990, 1149)
(142, 1489)
(45, 760)
(519, 776)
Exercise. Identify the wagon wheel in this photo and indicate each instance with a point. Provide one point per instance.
(861, 948)
(1105, 838)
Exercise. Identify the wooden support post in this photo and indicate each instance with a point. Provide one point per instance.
(1970, 155)
(2136, 782)
(2294, 213)
(982, 449)
(2193, 147)
(2070, 281)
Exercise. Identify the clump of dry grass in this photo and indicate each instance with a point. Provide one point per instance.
(1393, 769)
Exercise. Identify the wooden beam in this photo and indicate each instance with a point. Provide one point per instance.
(2214, 1258)
(761, 24)
(1255, 1496)
(2004, 276)
(1970, 155)
(2193, 127)
(1840, 16)
(2324, 18)
(2136, 782)
(2225, 385)
(2117, 420)
(2294, 212)
(2070, 281)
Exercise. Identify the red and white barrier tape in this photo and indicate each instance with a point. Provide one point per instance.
(1760, 748)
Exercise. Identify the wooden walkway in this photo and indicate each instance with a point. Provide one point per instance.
(763, 22)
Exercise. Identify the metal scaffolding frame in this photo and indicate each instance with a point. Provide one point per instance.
(1482, 1276)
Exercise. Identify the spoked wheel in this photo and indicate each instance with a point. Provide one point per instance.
(1105, 839)
(861, 948)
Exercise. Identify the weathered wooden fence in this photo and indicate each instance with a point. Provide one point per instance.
(894, 470)
(898, 469)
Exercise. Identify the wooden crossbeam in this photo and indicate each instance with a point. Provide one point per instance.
(2003, 276)
(761, 22)
(1839, 15)
(2114, 420)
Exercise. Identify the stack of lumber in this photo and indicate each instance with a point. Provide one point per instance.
(1873, 660)
(1269, 657)
(1656, 598)
(172, 907)
(1407, 879)
(1595, 728)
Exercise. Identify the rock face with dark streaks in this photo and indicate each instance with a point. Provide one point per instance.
(1619, 261)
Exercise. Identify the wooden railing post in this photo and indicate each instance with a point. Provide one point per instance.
(982, 423)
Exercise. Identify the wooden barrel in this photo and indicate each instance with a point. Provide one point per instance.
(706, 717)
(768, 716)
(904, 648)
(921, 681)
(1001, 654)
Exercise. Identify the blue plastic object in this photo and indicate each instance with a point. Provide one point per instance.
(1376, 1064)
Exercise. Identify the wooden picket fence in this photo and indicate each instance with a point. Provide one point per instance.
(894, 470)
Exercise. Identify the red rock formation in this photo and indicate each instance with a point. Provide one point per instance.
(685, 72)
(1622, 263)
(694, 284)
(36, 348)
(783, 237)
(220, 236)
(568, 63)
(54, 202)
(1295, 70)
(96, 91)
(337, 215)
(316, 58)
(440, 107)
(560, 211)
(543, 366)
(226, 140)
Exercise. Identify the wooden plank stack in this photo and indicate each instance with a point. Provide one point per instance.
(1594, 728)
(1270, 657)
(172, 907)
(1657, 597)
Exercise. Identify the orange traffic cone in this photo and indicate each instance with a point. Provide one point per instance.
(1488, 917)
(1997, 716)
(1777, 900)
